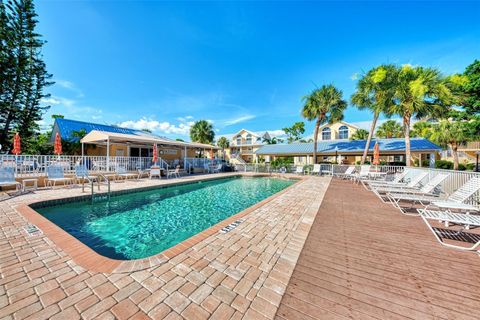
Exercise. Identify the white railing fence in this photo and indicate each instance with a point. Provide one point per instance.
(35, 165)
(454, 180)
(200, 163)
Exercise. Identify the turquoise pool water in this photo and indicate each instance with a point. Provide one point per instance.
(142, 224)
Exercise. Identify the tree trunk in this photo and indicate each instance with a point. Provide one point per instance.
(455, 156)
(315, 138)
(369, 139)
(406, 129)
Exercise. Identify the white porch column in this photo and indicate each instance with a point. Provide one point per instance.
(108, 154)
(185, 158)
(432, 160)
(82, 151)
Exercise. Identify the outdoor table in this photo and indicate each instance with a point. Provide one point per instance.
(34, 185)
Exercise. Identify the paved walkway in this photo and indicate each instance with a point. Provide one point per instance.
(365, 260)
(238, 275)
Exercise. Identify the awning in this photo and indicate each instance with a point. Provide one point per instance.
(95, 137)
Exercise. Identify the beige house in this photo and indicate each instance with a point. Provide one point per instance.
(337, 131)
(244, 144)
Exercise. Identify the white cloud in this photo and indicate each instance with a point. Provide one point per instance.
(276, 133)
(232, 121)
(182, 128)
(71, 108)
(70, 86)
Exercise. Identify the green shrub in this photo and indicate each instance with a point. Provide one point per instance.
(444, 164)
(470, 166)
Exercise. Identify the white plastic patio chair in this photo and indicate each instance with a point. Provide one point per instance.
(299, 170)
(175, 172)
(412, 185)
(466, 221)
(7, 178)
(55, 174)
(217, 168)
(155, 172)
(316, 169)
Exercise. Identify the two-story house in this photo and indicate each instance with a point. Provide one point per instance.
(244, 144)
(337, 131)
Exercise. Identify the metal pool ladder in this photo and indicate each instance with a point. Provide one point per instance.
(101, 179)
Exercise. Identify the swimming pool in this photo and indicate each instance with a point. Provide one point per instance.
(141, 224)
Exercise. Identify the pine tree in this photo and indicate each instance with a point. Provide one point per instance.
(24, 74)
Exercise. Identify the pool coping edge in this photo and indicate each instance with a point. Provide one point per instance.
(87, 258)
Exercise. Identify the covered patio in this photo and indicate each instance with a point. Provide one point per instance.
(171, 153)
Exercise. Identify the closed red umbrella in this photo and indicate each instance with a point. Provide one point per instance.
(376, 154)
(155, 158)
(58, 145)
(16, 145)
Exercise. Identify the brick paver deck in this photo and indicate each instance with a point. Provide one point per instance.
(240, 274)
(365, 260)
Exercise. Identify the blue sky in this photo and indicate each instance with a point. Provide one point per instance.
(162, 65)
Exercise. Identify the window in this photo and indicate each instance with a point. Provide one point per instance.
(326, 134)
(249, 139)
(343, 132)
(239, 141)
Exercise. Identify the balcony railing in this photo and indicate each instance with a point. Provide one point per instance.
(470, 146)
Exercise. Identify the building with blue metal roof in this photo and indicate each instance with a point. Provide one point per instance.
(66, 128)
(391, 150)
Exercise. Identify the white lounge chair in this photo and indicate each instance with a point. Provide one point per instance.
(348, 174)
(7, 178)
(81, 173)
(299, 170)
(412, 185)
(455, 201)
(121, 172)
(316, 169)
(55, 174)
(363, 173)
(398, 180)
(466, 221)
(410, 195)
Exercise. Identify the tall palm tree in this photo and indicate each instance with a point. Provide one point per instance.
(422, 129)
(389, 129)
(224, 144)
(202, 132)
(325, 105)
(375, 92)
(453, 135)
(273, 140)
(360, 134)
(419, 92)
